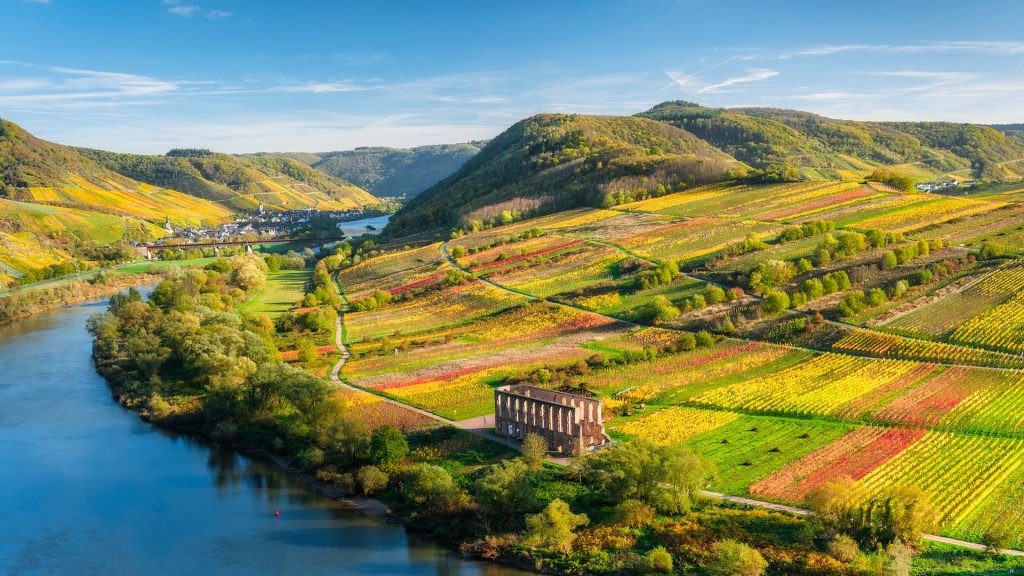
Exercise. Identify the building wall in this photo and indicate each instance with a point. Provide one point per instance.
(564, 420)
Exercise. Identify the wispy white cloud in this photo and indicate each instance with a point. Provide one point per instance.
(994, 47)
(182, 10)
(321, 87)
(753, 75)
(217, 14)
(36, 1)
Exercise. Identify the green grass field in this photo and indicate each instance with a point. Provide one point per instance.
(283, 291)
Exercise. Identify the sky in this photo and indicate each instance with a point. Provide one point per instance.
(271, 75)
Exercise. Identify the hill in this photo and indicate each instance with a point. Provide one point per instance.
(34, 170)
(823, 147)
(553, 162)
(397, 172)
(242, 182)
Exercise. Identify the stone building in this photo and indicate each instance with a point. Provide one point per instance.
(565, 420)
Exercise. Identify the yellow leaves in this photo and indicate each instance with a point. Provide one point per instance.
(676, 424)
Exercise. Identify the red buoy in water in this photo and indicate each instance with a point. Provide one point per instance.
(277, 513)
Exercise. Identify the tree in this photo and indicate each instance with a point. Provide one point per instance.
(889, 260)
(668, 478)
(714, 295)
(553, 527)
(776, 301)
(371, 479)
(535, 451)
(505, 491)
(658, 310)
(458, 252)
(732, 558)
(899, 514)
(429, 486)
(901, 558)
(388, 445)
(634, 514)
(659, 560)
(844, 548)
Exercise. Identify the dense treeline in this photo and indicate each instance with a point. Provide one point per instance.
(764, 137)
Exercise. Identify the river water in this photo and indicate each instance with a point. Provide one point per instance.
(86, 488)
(359, 227)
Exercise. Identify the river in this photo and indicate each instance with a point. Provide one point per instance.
(86, 488)
(359, 227)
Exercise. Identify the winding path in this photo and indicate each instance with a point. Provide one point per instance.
(480, 426)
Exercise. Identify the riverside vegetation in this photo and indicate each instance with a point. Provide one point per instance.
(189, 358)
(761, 299)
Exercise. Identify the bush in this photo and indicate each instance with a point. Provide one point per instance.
(776, 301)
(659, 310)
(889, 260)
(553, 528)
(388, 445)
(732, 558)
(704, 339)
(371, 479)
(659, 560)
(714, 295)
(844, 548)
(634, 514)
(687, 342)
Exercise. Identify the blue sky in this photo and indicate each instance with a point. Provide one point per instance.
(258, 75)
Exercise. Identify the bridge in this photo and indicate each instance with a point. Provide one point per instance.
(220, 244)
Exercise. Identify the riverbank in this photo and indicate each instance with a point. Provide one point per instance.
(20, 305)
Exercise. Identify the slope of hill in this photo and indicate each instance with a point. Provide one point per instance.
(827, 148)
(553, 162)
(242, 182)
(34, 170)
(396, 172)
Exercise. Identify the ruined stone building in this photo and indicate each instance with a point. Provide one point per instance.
(565, 420)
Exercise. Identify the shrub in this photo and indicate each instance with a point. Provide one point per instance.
(844, 548)
(371, 479)
(554, 527)
(776, 301)
(659, 560)
(634, 514)
(732, 558)
(687, 342)
(889, 260)
(704, 339)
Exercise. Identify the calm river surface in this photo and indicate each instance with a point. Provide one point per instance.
(86, 488)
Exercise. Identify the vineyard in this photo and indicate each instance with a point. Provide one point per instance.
(931, 395)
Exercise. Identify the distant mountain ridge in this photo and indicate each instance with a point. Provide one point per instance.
(394, 172)
(823, 147)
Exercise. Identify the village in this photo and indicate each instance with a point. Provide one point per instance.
(261, 224)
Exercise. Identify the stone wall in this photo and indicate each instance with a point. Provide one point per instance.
(565, 420)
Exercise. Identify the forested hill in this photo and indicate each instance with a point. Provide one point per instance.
(242, 182)
(552, 162)
(823, 147)
(34, 170)
(1011, 129)
(393, 172)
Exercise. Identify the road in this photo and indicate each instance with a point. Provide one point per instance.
(480, 425)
